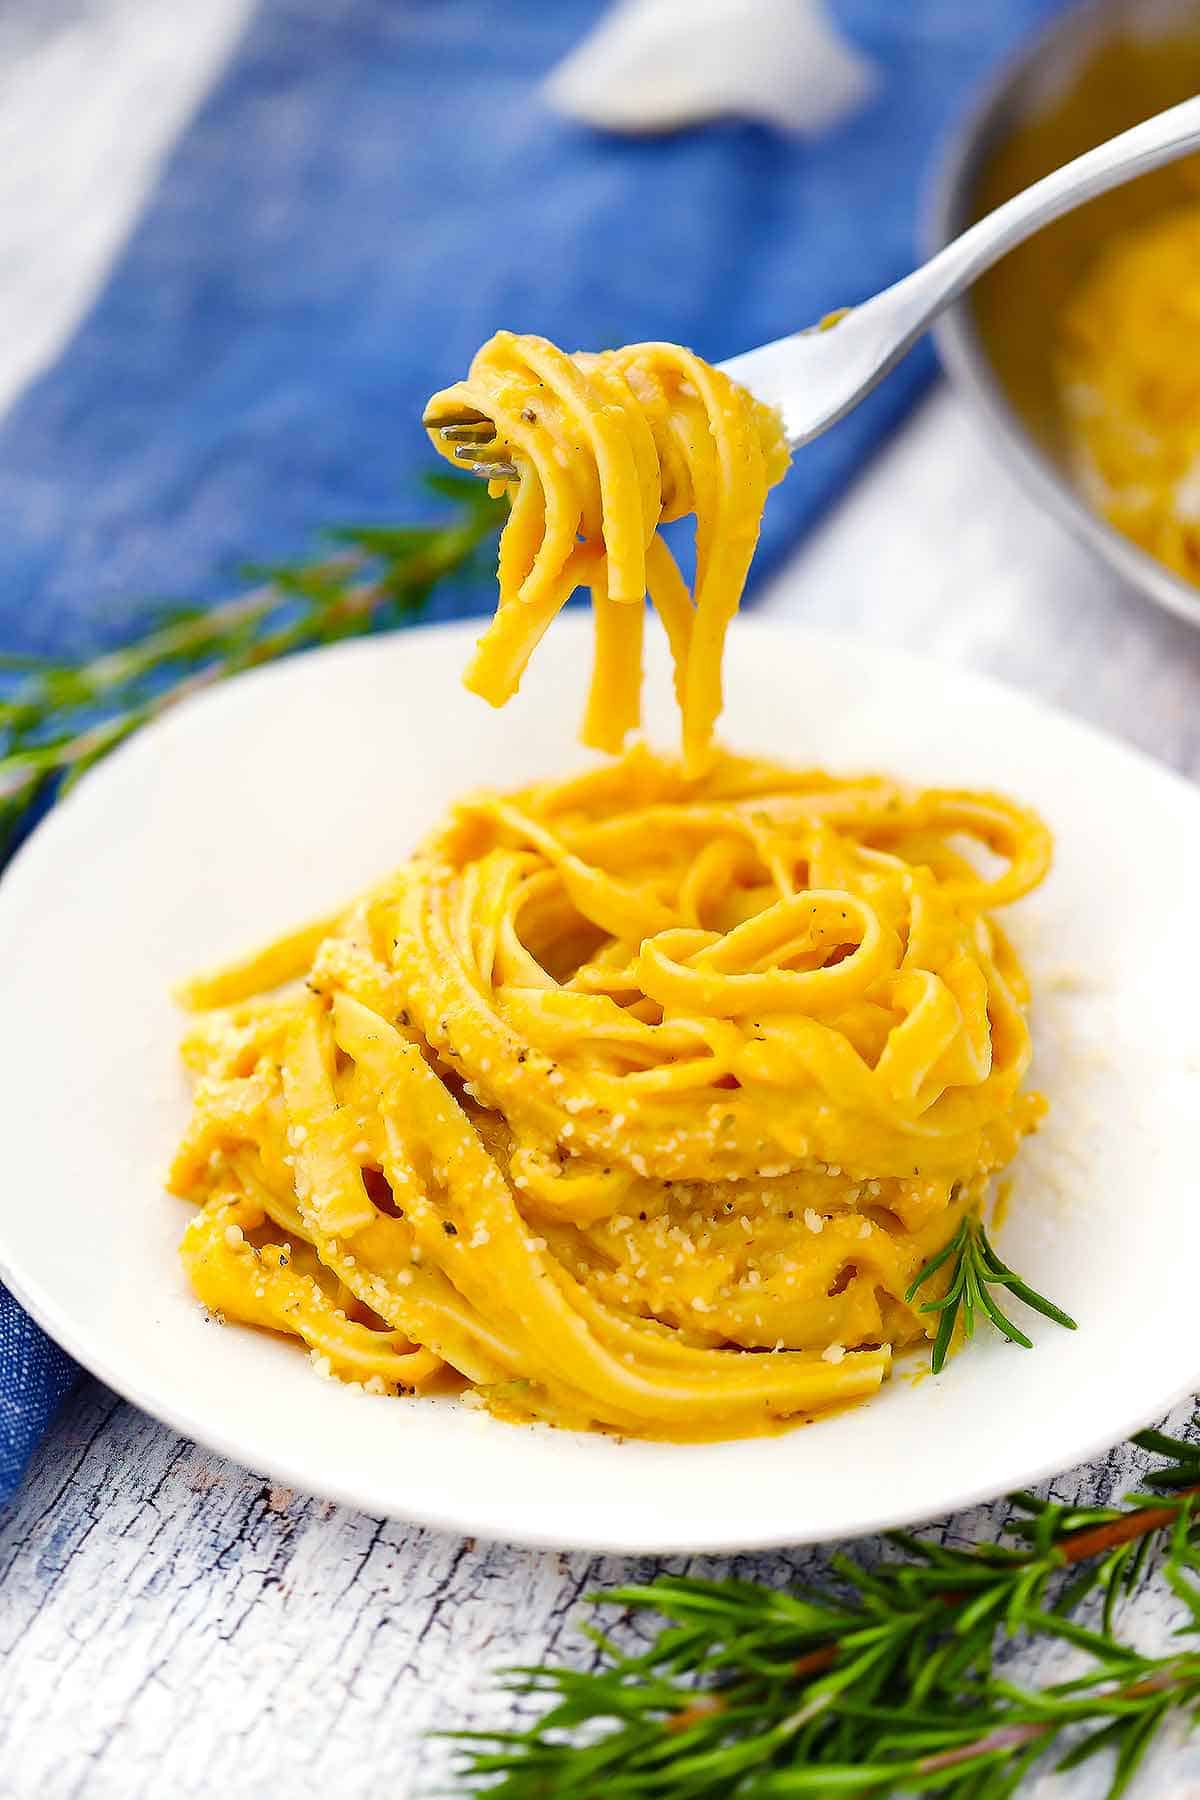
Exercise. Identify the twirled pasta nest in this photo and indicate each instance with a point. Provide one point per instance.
(632, 1101)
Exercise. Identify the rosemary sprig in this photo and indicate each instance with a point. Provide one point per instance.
(977, 1269)
(884, 1679)
(58, 718)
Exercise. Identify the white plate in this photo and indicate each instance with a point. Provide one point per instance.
(281, 793)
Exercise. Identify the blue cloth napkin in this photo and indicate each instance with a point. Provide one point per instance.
(372, 188)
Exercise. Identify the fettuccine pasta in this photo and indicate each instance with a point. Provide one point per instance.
(607, 448)
(632, 1101)
(636, 1100)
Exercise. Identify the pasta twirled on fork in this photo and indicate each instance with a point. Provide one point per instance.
(608, 447)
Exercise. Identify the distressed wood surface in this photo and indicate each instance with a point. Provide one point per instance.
(170, 1624)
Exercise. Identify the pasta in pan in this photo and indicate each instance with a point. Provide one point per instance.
(1125, 366)
(634, 1100)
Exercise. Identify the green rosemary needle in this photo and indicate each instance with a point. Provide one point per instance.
(977, 1270)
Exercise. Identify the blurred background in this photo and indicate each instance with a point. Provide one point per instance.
(243, 241)
(240, 242)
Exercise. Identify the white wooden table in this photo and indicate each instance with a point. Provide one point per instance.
(170, 1624)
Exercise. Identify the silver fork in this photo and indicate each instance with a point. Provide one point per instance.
(815, 377)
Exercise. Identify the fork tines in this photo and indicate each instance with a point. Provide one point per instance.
(492, 468)
(471, 432)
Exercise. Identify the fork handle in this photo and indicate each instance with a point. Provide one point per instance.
(1135, 152)
(874, 336)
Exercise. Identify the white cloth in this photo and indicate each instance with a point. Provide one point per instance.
(660, 65)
